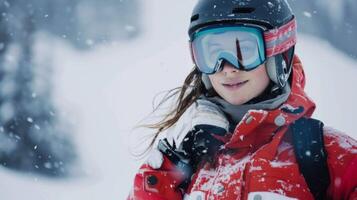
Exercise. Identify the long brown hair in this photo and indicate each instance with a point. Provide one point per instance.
(189, 92)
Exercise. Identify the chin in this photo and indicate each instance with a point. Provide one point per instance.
(236, 101)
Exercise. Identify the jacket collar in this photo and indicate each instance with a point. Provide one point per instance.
(259, 126)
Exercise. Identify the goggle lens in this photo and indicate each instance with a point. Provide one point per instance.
(243, 47)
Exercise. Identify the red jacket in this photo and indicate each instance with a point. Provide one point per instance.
(260, 165)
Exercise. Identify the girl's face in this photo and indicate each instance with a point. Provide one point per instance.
(238, 87)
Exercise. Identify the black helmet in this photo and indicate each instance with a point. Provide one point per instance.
(269, 15)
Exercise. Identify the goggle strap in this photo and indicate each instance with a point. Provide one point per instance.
(280, 39)
(191, 51)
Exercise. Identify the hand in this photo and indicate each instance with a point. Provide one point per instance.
(201, 113)
(198, 120)
(202, 143)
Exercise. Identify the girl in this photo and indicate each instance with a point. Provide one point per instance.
(242, 128)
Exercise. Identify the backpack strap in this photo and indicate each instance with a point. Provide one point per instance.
(311, 155)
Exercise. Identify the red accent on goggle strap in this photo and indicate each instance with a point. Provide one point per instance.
(281, 47)
(276, 36)
(274, 33)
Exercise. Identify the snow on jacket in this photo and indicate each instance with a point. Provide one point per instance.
(258, 161)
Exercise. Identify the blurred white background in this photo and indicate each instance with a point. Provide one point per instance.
(102, 92)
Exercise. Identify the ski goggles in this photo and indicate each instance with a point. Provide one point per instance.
(244, 47)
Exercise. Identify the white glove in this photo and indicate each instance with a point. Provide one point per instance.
(202, 112)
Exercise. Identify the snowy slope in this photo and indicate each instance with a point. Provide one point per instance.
(108, 90)
(331, 77)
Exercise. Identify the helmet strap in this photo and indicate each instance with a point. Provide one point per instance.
(206, 82)
(279, 67)
(274, 66)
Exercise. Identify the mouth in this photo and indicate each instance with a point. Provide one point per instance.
(234, 85)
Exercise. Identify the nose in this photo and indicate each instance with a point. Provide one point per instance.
(227, 68)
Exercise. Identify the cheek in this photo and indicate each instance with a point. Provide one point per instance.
(214, 80)
(261, 79)
(217, 86)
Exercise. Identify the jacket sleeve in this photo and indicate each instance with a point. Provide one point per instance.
(342, 161)
(157, 184)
